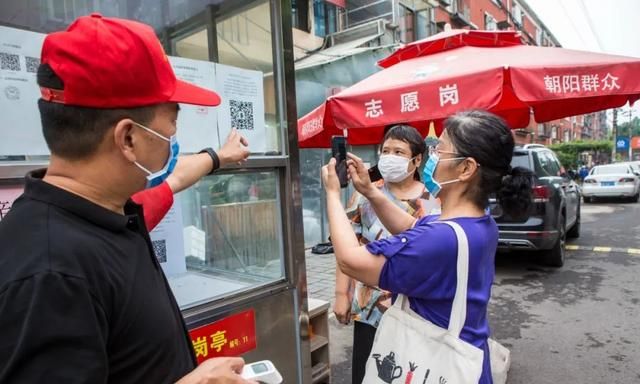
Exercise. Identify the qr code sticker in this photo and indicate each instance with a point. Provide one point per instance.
(160, 249)
(32, 64)
(241, 115)
(9, 61)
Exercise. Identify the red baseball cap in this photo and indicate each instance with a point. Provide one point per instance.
(107, 62)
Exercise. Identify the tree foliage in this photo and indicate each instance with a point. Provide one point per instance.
(629, 128)
(569, 153)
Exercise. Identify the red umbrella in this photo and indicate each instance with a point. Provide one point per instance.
(451, 39)
(431, 79)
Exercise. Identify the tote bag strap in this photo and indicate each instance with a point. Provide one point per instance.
(459, 308)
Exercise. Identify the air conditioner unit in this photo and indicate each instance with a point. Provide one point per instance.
(504, 24)
(371, 29)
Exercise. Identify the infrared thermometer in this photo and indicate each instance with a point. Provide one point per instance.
(262, 371)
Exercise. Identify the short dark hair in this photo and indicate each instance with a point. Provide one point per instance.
(409, 135)
(487, 138)
(74, 132)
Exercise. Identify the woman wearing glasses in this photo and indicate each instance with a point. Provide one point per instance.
(471, 161)
(400, 159)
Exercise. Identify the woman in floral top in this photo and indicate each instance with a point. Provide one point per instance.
(402, 151)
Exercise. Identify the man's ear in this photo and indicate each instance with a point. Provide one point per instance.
(125, 138)
(469, 168)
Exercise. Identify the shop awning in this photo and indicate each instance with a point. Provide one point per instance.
(337, 52)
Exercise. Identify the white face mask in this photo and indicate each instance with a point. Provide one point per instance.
(393, 168)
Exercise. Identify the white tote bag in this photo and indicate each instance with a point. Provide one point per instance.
(408, 349)
(500, 362)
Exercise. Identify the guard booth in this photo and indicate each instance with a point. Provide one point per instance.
(232, 245)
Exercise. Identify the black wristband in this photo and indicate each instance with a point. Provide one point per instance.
(214, 158)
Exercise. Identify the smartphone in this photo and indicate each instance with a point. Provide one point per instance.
(374, 174)
(339, 152)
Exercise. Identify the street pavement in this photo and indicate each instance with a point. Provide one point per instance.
(576, 324)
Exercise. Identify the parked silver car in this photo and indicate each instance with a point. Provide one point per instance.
(612, 180)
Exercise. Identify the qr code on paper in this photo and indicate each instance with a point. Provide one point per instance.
(160, 249)
(241, 115)
(32, 64)
(9, 61)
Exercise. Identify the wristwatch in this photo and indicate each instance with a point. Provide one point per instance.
(214, 158)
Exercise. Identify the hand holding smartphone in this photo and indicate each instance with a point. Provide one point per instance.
(339, 152)
(374, 174)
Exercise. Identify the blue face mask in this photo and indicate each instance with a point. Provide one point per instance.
(432, 185)
(156, 178)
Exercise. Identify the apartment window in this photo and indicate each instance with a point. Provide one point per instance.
(426, 23)
(539, 36)
(300, 14)
(497, 2)
(541, 130)
(407, 24)
(554, 132)
(490, 23)
(325, 17)
(516, 14)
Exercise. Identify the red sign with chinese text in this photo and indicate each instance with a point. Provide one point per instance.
(230, 337)
(635, 142)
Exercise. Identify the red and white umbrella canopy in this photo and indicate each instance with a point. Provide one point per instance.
(422, 85)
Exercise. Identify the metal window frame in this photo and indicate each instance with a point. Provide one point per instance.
(288, 173)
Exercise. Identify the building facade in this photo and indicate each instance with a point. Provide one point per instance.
(321, 24)
(338, 42)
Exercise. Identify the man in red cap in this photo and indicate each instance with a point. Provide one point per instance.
(82, 296)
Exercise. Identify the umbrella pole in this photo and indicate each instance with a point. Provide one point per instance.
(615, 134)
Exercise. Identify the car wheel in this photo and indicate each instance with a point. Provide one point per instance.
(555, 257)
(574, 232)
(636, 197)
(588, 199)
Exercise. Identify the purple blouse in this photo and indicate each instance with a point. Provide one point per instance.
(421, 264)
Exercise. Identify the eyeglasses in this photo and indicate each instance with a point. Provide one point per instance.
(433, 150)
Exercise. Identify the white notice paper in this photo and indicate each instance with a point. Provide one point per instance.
(168, 243)
(197, 127)
(20, 127)
(8, 194)
(242, 106)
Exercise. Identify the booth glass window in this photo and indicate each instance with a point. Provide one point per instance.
(230, 235)
(224, 234)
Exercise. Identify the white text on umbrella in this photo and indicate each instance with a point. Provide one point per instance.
(590, 83)
(374, 109)
(571, 83)
(410, 102)
(552, 84)
(449, 94)
(610, 82)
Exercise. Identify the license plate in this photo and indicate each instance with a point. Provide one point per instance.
(608, 183)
